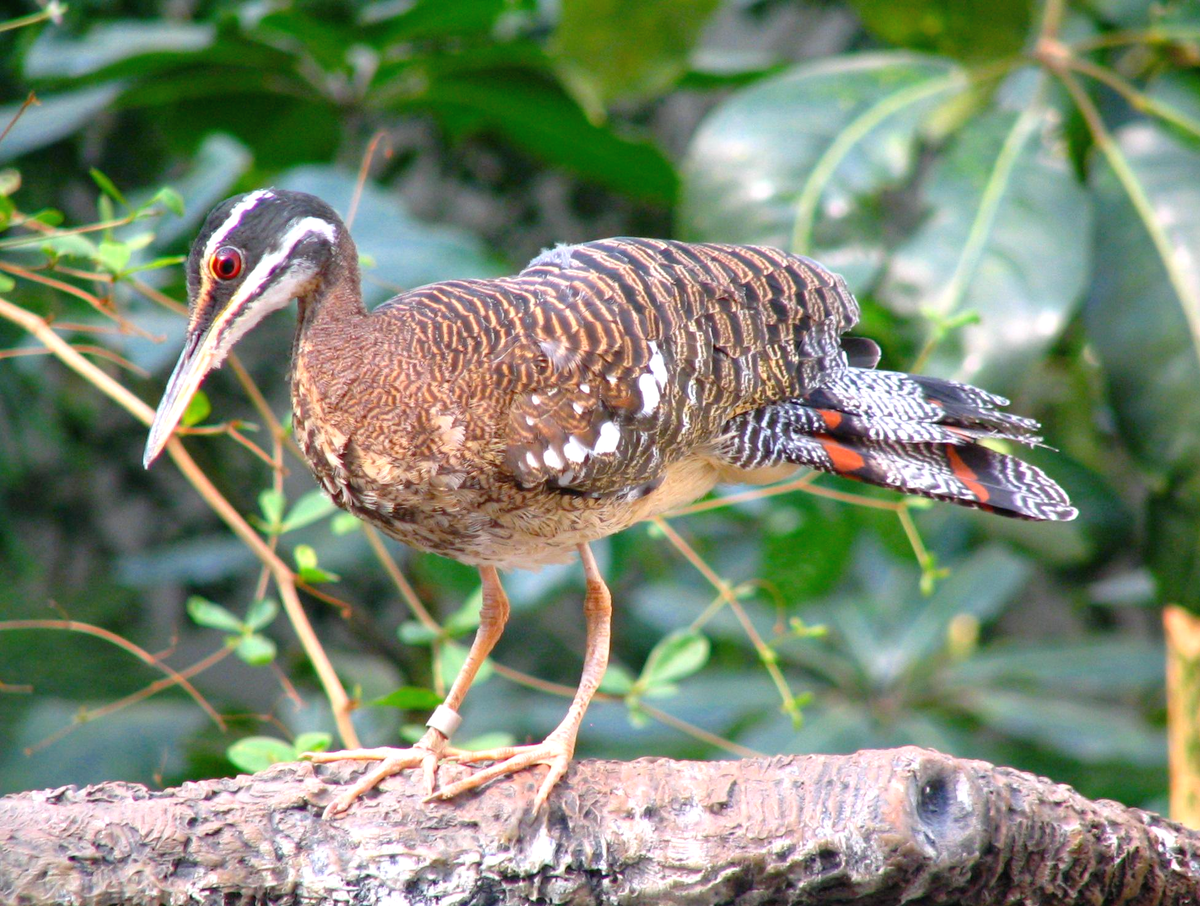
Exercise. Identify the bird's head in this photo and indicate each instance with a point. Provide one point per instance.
(254, 254)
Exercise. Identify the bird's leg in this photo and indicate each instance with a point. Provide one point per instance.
(556, 750)
(444, 720)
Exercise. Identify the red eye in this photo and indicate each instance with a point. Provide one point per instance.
(226, 263)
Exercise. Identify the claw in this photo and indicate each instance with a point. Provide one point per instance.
(555, 752)
(425, 754)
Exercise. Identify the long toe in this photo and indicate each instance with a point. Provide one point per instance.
(555, 753)
(425, 755)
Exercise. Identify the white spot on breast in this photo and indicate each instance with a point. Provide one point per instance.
(553, 460)
(531, 460)
(529, 420)
(574, 450)
(536, 400)
(609, 436)
(578, 408)
(649, 390)
(658, 367)
(585, 388)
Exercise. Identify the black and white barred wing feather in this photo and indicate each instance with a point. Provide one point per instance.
(637, 351)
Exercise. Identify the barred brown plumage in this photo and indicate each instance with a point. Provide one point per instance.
(509, 422)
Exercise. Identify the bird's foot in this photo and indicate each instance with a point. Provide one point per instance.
(425, 754)
(555, 752)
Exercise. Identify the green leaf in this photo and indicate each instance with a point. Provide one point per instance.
(311, 506)
(1096, 665)
(1143, 318)
(971, 31)
(466, 618)
(205, 613)
(409, 698)
(68, 246)
(344, 524)
(58, 55)
(261, 613)
(306, 566)
(256, 650)
(495, 740)
(312, 741)
(108, 187)
(1007, 237)
(676, 656)
(980, 587)
(427, 19)
(169, 199)
(257, 753)
(537, 116)
(198, 409)
(156, 264)
(113, 256)
(806, 545)
(272, 502)
(795, 161)
(7, 283)
(10, 181)
(617, 681)
(610, 49)
(410, 632)
(453, 657)
(1087, 730)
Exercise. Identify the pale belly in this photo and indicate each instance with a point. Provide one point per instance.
(505, 526)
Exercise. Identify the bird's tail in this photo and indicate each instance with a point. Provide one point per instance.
(917, 434)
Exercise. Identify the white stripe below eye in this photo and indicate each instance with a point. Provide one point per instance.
(282, 289)
(233, 219)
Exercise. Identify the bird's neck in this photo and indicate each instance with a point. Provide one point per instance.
(336, 296)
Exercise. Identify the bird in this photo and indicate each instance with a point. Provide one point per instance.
(510, 422)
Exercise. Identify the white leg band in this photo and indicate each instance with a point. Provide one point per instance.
(444, 720)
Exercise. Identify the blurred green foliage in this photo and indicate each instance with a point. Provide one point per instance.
(1011, 190)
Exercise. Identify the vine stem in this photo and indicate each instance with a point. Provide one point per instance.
(285, 579)
(1189, 300)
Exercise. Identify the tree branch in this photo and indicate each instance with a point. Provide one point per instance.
(875, 827)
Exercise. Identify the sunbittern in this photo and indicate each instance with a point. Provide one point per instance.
(509, 422)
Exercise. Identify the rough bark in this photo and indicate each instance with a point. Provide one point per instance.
(877, 827)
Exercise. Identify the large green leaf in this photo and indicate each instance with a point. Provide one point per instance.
(1136, 314)
(1143, 318)
(56, 55)
(1087, 730)
(1006, 234)
(793, 160)
(539, 117)
(610, 49)
(973, 31)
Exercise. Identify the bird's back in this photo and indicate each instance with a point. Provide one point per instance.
(614, 358)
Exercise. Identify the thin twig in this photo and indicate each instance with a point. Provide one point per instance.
(133, 698)
(284, 577)
(174, 677)
(765, 653)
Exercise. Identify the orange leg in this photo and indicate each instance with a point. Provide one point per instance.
(433, 745)
(556, 750)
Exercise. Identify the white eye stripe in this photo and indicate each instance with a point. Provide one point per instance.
(297, 233)
(233, 219)
(237, 318)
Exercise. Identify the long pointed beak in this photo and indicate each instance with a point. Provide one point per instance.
(194, 363)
